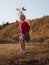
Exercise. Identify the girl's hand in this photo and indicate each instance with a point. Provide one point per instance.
(20, 34)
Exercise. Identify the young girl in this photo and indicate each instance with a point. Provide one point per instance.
(24, 32)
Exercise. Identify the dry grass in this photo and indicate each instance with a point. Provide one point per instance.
(37, 51)
(36, 54)
(39, 30)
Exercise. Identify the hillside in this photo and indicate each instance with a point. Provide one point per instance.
(9, 33)
(37, 50)
(39, 31)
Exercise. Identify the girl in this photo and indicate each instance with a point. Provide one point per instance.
(24, 32)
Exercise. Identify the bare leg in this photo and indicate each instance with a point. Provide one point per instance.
(22, 45)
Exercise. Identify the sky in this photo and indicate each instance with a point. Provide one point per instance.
(35, 9)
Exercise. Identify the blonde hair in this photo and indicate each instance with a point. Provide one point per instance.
(22, 14)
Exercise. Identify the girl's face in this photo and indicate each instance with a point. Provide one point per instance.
(22, 17)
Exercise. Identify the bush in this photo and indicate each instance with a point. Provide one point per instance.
(4, 25)
(0, 27)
